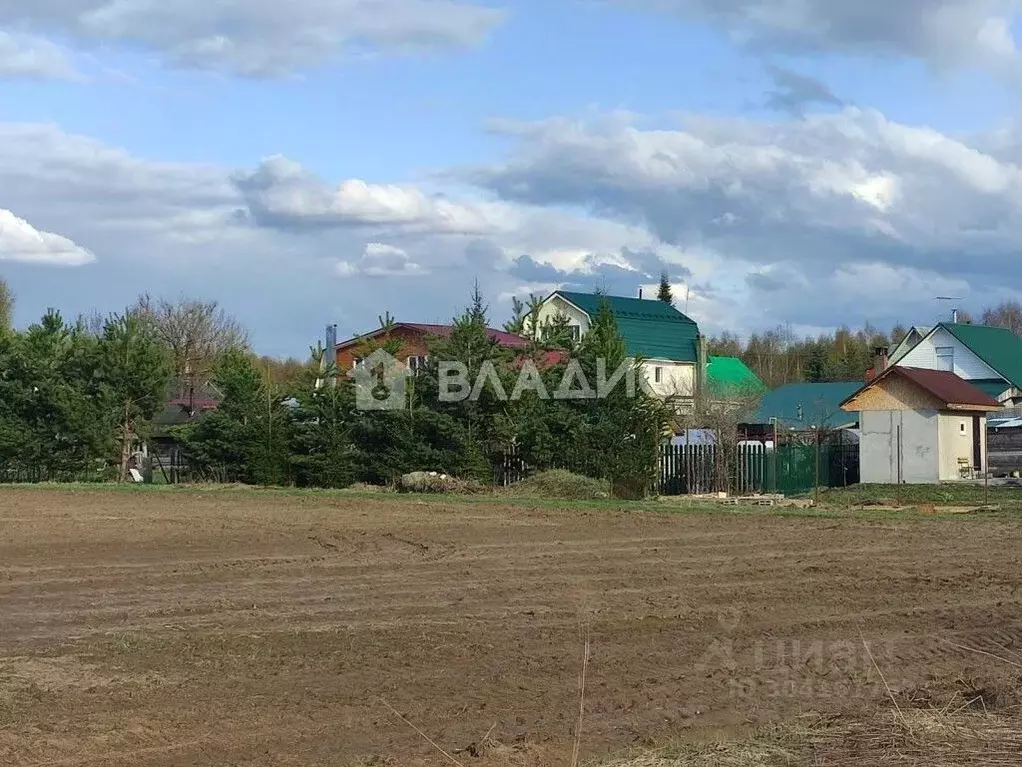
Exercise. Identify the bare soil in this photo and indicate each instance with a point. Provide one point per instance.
(262, 628)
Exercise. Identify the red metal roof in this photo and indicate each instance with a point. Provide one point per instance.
(510, 340)
(502, 337)
(947, 387)
(544, 359)
(942, 384)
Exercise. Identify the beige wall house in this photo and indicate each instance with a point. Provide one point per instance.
(667, 341)
(990, 358)
(920, 426)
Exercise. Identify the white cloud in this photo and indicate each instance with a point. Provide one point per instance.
(775, 190)
(33, 57)
(282, 193)
(187, 228)
(946, 33)
(381, 260)
(814, 222)
(258, 37)
(20, 241)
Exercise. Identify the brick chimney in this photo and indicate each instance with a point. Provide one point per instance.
(879, 362)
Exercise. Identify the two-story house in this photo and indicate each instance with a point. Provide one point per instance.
(990, 358)
(669, 343)
(414, 340)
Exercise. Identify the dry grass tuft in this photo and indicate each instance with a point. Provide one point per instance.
(934, 737)
(956, 735)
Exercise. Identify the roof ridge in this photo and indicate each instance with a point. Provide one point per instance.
(994, 364)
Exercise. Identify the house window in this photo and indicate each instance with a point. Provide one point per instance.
(417, 363)
(550, 330)
(358, 362)
(961, 428)
(946, 358)
(658, 375)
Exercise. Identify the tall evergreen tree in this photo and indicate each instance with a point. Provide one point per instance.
(248, 437)
(133, 369)
(665, 294)
(519, 316)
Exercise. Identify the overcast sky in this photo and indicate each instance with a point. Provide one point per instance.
(813, 163)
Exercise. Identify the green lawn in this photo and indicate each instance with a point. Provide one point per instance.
(907, 495)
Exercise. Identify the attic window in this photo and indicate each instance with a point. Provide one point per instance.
(658, 374)
(576, 332)
(946, 358)
(961, 428)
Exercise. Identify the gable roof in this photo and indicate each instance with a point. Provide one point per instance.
(905, 345)
(944, 386)
(997, 347)
(730, 373)
(650, 328)
(819, 404)
(502, 337)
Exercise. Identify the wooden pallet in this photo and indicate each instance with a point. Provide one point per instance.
(753, 501)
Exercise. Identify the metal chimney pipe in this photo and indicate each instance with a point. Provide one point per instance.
(954, 316)
(640, 292)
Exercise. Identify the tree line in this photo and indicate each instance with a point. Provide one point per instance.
(78, 397)
(310, 431)
(779, 356)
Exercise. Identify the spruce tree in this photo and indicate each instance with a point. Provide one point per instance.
(665, 293)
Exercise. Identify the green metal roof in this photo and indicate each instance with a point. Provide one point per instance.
(725, 374)
(994, 387)
(817, 403)
(997, 347)
(651, 329)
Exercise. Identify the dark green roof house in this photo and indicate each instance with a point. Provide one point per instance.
(729, 376)
(666, 340)
(651, 329)
(808, 405)
(989, 358)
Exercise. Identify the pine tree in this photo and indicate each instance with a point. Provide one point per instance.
(516, 324)
(134, 370)
(665, 293)
(248, 437)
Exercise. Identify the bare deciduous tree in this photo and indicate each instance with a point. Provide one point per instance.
(195, 332)
(1006, 315)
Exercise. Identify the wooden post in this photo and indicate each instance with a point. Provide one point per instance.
(986, 465)
(776, 483)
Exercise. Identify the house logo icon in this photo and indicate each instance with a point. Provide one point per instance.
(380, 382)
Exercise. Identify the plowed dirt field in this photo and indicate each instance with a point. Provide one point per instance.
(238, 627)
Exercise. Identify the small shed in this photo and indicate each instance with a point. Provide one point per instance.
(1004, 442)
(920, 426)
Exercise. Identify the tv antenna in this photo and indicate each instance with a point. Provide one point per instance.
(954, 310)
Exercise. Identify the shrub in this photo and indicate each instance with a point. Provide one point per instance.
(558, 483)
